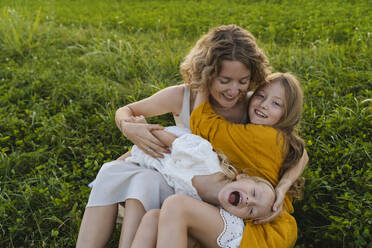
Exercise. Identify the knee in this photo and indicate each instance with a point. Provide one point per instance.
(151, 217)
(175, 206)
(147, 230)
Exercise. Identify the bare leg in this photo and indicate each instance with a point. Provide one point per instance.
(147, 231)
(97, 226)
(182, 215)
(134, 211)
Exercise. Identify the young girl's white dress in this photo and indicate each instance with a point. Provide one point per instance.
(190, 155)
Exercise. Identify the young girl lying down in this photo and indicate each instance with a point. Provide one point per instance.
(244, 196)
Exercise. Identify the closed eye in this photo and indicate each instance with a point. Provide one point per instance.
(224, 80)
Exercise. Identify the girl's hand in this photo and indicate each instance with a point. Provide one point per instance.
(280, 192)
(140, 134)
(276, 209)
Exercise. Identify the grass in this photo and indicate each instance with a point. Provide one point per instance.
(66, 66)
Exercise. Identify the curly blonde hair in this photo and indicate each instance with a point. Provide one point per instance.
(230, 42)
(231, 172)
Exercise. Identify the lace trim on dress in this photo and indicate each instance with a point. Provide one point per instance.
(232, 233)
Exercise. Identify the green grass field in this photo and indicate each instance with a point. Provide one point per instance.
(66, 66)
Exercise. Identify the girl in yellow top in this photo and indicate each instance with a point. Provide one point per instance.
(267, 149)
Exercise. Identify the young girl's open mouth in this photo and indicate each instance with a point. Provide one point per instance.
(234, 198)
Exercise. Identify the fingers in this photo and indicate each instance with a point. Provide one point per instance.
(151, 152)
(151, 147)
(140, 134)
(276, 206)
(140, 119)
(128, 119)
(278, 202)
(154, 142)
(135, 119)
(279, 199)
(277, 210)
(152, 127)
(267, 219)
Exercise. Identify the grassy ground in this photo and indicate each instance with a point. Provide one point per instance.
(66, 66)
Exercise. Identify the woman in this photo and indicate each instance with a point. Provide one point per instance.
(229, 62)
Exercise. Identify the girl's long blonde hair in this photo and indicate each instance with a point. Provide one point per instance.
(287, 125)
(293, 145)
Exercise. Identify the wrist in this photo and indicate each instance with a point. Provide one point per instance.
(284, 185)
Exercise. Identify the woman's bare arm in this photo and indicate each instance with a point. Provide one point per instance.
(165, 101)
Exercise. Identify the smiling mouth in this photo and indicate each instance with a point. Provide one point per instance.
(228, 97)
(234, 198)
(259, 113)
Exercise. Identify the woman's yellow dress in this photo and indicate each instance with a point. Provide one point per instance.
(257, 150)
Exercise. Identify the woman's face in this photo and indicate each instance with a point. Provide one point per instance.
(231, 84)
(247, 198)
(267, 105)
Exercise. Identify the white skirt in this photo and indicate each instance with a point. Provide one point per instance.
(120, 180)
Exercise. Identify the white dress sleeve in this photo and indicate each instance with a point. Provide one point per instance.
(195, 153)
(190, 155)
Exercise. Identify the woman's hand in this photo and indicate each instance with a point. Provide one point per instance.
(139, 132)
(136, 119)
(168, 100)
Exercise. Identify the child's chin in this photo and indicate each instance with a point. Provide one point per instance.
(239, 215)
